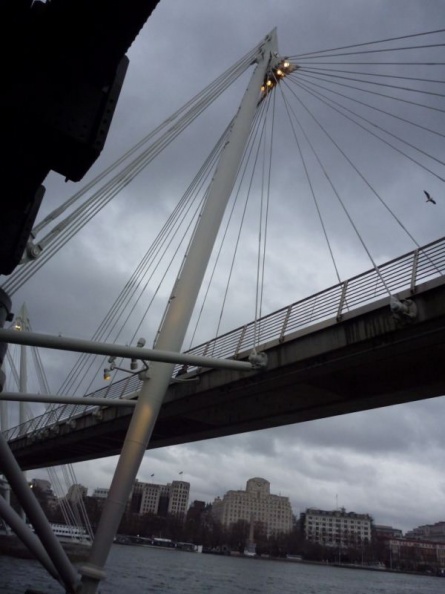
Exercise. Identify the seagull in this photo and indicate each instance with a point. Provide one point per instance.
(428, 197)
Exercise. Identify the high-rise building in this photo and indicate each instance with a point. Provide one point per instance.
(150, 500)
(76, 493)
(255, 505)
(172, 498)
(135, 499)
(178, 497)
(337, 528)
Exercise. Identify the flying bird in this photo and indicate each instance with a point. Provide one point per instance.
(428, 197)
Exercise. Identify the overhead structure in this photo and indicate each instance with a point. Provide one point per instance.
(64, 67)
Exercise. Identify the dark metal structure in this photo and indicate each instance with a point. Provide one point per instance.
(63, 68)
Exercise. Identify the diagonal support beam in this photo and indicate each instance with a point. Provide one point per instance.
(177, 317)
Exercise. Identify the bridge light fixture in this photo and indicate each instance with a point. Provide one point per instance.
(107, 374)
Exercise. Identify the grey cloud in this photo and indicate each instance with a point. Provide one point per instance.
(370, 460)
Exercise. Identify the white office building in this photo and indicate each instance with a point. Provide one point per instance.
(337, 528)
(255, 504)
(172, 498)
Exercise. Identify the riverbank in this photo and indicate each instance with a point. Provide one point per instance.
(299, 561)
(11, 546)
(141, 570)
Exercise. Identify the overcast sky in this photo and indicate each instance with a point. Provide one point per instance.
(390, 462)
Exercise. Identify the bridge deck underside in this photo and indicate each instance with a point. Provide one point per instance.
(367, 361)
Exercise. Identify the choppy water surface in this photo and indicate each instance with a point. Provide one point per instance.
(139, 570)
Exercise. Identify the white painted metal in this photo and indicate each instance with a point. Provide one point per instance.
(22, 319)
(29, 503)
(175, 322)
(115, 350)
(50, 398)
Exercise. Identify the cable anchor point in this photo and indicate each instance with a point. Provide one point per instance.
(403, 310)
(258, 360)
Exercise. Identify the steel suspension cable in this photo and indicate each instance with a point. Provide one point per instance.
(327, 71)
(326, 101)
(257, 138)
(263, 224)
(412, 35)
(83, 512)
(403, 227)
(345, 210)
(311, 187)
(169, 229)
(367, 63)
(373, 51)
(189, 199)
(362, 90)
(223, 239)
(204, 175)
(368, 105)
(220, 80)
(325, 75)
(376, 194)
(87, 211)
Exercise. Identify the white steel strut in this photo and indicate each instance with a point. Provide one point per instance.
(176, 318)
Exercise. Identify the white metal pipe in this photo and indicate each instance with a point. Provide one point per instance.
(176, 320)
(23, 386)
(58, 399)
(12, 471)
(115, 350)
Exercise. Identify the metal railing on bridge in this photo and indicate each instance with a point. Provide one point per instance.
(403, 273)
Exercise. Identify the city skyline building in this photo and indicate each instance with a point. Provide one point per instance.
(100, 493)
(319, 526)
(172, 498)
(255, 505)
(431, 532)
(76, 493)
(382, 531)
(337, 528)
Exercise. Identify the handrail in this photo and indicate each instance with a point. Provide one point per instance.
(402, 273)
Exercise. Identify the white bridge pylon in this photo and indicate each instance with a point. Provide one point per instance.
(177, 316)
(171, 334)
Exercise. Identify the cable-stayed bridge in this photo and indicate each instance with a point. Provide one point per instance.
(373, 340)
(345, 349)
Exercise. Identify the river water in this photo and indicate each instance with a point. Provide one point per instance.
(140, 570)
